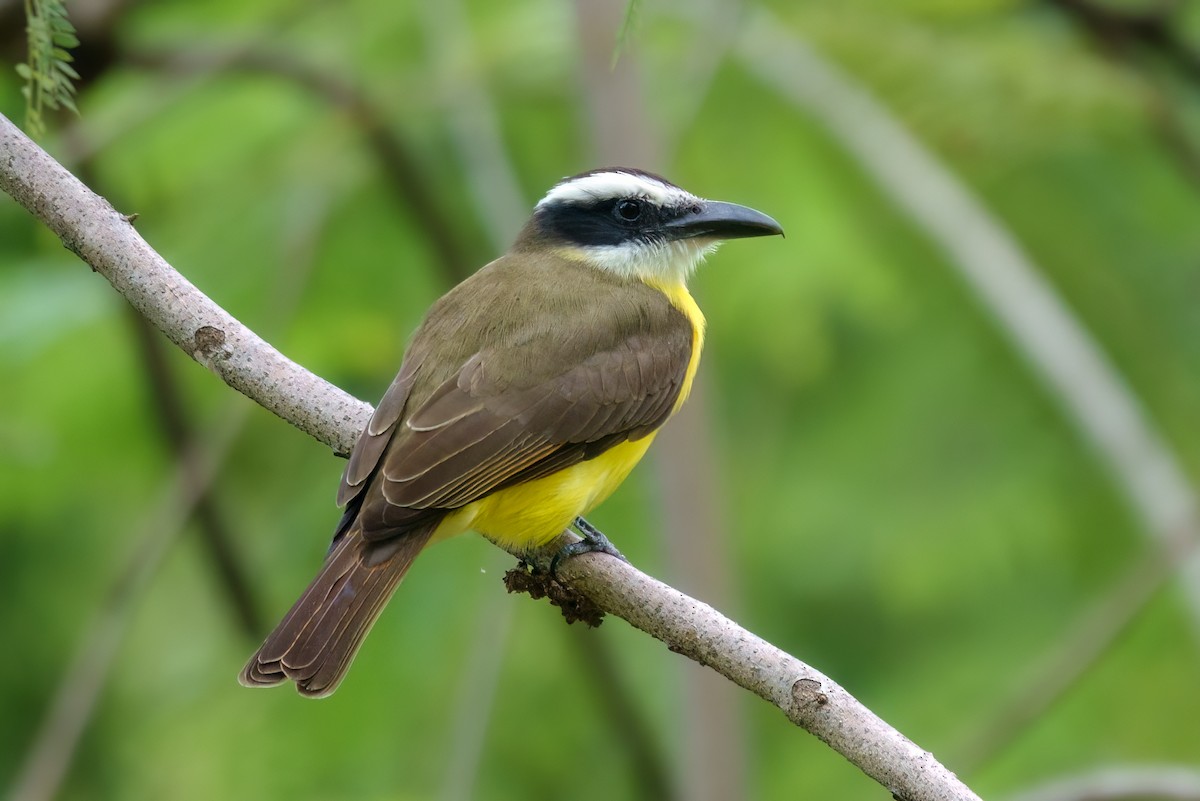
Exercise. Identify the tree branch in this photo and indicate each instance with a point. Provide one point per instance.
(91, 228)
(806, 696)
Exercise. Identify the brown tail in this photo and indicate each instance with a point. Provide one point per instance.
(315, 643)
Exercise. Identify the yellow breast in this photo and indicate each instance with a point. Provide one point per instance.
(533, 513)
(681, 299)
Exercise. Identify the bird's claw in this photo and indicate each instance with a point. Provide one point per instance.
(593, 542)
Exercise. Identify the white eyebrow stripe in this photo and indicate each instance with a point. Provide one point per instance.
(604, 185)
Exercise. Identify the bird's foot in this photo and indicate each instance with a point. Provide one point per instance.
(593, 542)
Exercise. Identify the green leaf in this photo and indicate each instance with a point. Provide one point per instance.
(48, 74)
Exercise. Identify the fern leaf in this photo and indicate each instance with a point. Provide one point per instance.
(48, 75)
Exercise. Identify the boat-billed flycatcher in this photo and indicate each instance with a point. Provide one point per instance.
(527, 395)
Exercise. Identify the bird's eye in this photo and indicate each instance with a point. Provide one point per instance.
(628, 210)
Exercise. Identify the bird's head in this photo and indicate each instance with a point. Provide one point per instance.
(637, 224)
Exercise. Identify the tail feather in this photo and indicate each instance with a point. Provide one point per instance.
(316, 641)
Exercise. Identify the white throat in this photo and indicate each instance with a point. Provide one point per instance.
(656, 262)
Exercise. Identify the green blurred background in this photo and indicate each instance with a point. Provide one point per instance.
(873, 477)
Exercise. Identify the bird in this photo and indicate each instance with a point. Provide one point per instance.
(524, 398)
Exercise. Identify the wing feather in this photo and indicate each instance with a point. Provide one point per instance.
(609, 398)
(559, 375)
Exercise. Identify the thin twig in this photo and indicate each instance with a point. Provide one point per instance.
(1121, 783)
(92, 229)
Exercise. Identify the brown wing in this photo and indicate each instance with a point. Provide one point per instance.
(467, 440)
(541, 395)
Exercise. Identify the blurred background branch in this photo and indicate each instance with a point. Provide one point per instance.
(46, 761)
(1121, 783)
(1148, 40)
(1094, 396)
(1118, 30)
(453, 252)
(188, 498)
(167, 405)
